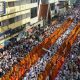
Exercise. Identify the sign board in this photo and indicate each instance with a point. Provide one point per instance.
(2, 8)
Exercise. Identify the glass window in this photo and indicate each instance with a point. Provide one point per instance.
(61, 4)
(11, 20)
(17, 3)
(27, 15)
(11, 4)
(5, 23)
(52, 6)
(15, 19)
(0, 23)
(33, 1)
(33, 12)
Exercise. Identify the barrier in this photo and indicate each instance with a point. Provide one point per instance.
(29, 60)
(58, 59)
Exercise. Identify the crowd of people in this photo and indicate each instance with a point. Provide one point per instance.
(65, 73)
(14, 52)
(74, 12)
(41, 64)
(71, 68)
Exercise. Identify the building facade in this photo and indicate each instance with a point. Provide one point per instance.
(19, 14)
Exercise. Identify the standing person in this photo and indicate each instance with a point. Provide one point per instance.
(1, 73)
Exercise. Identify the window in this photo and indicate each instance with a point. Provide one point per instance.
(0, 23)
(18, 18)
(11, 31)
(52, 6)
(26, 15)
(14, 19)
(22, 2)
(11, 20)
(28, 1)
(61, 4)
(38, 2)
(18, 2)
(16, 30)
(11, 4)
(33, 12)
(33, 1)
(5, 23)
